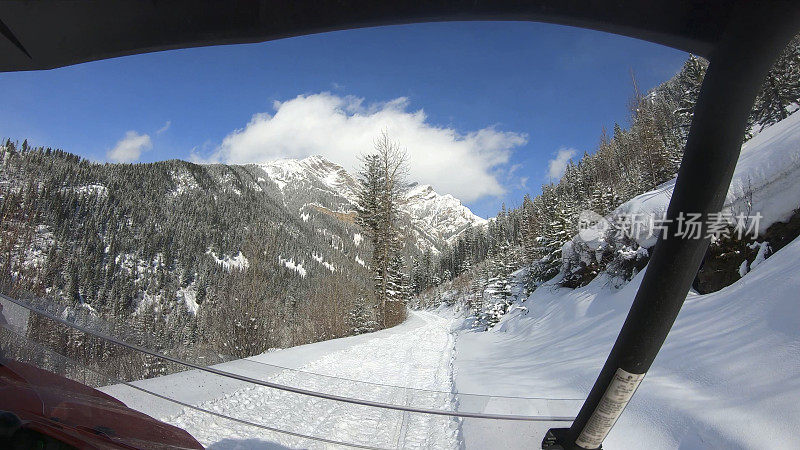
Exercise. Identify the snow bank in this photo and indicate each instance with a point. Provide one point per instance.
(768, 168)
(727, 376)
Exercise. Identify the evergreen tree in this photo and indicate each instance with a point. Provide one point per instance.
(360, 317)
(688, 81)
(383, 184)
(780, 93)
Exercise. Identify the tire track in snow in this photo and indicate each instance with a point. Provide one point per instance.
(418, 358)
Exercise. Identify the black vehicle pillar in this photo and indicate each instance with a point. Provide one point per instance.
(738, 65)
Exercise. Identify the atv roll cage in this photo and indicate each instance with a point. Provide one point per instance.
(741, 39)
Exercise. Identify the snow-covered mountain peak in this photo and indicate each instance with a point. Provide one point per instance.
(426, 193)
(443, 216)
(421, 191)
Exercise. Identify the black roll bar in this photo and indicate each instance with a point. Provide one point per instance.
(754, 39)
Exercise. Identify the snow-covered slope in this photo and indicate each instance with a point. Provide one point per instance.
(767, 174)
(727, 376)
(316, 182)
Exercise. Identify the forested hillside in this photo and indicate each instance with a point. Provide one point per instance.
(628, 161)
(207, 257)
(208, 261)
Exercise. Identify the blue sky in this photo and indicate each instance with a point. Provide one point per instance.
(482, 107)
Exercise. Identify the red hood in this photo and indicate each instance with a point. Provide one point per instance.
(79, 415)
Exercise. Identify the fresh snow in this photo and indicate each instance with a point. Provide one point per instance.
(184, 182)
(92, 189)
(743, 268)
(416, 354)
(38, 247)
(314, 169)
(761, 256)
(727, 376)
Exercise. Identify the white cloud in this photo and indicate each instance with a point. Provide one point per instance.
(467, 166)
(130, 147)
(164, 128)
(557, 165)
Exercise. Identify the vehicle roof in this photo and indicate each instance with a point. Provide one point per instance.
(49, 34)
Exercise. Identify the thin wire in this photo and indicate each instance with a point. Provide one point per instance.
(372, 383)
(433, 391)
(278, 430)
(282, 387)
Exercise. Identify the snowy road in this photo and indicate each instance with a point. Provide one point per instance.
(416, 354)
